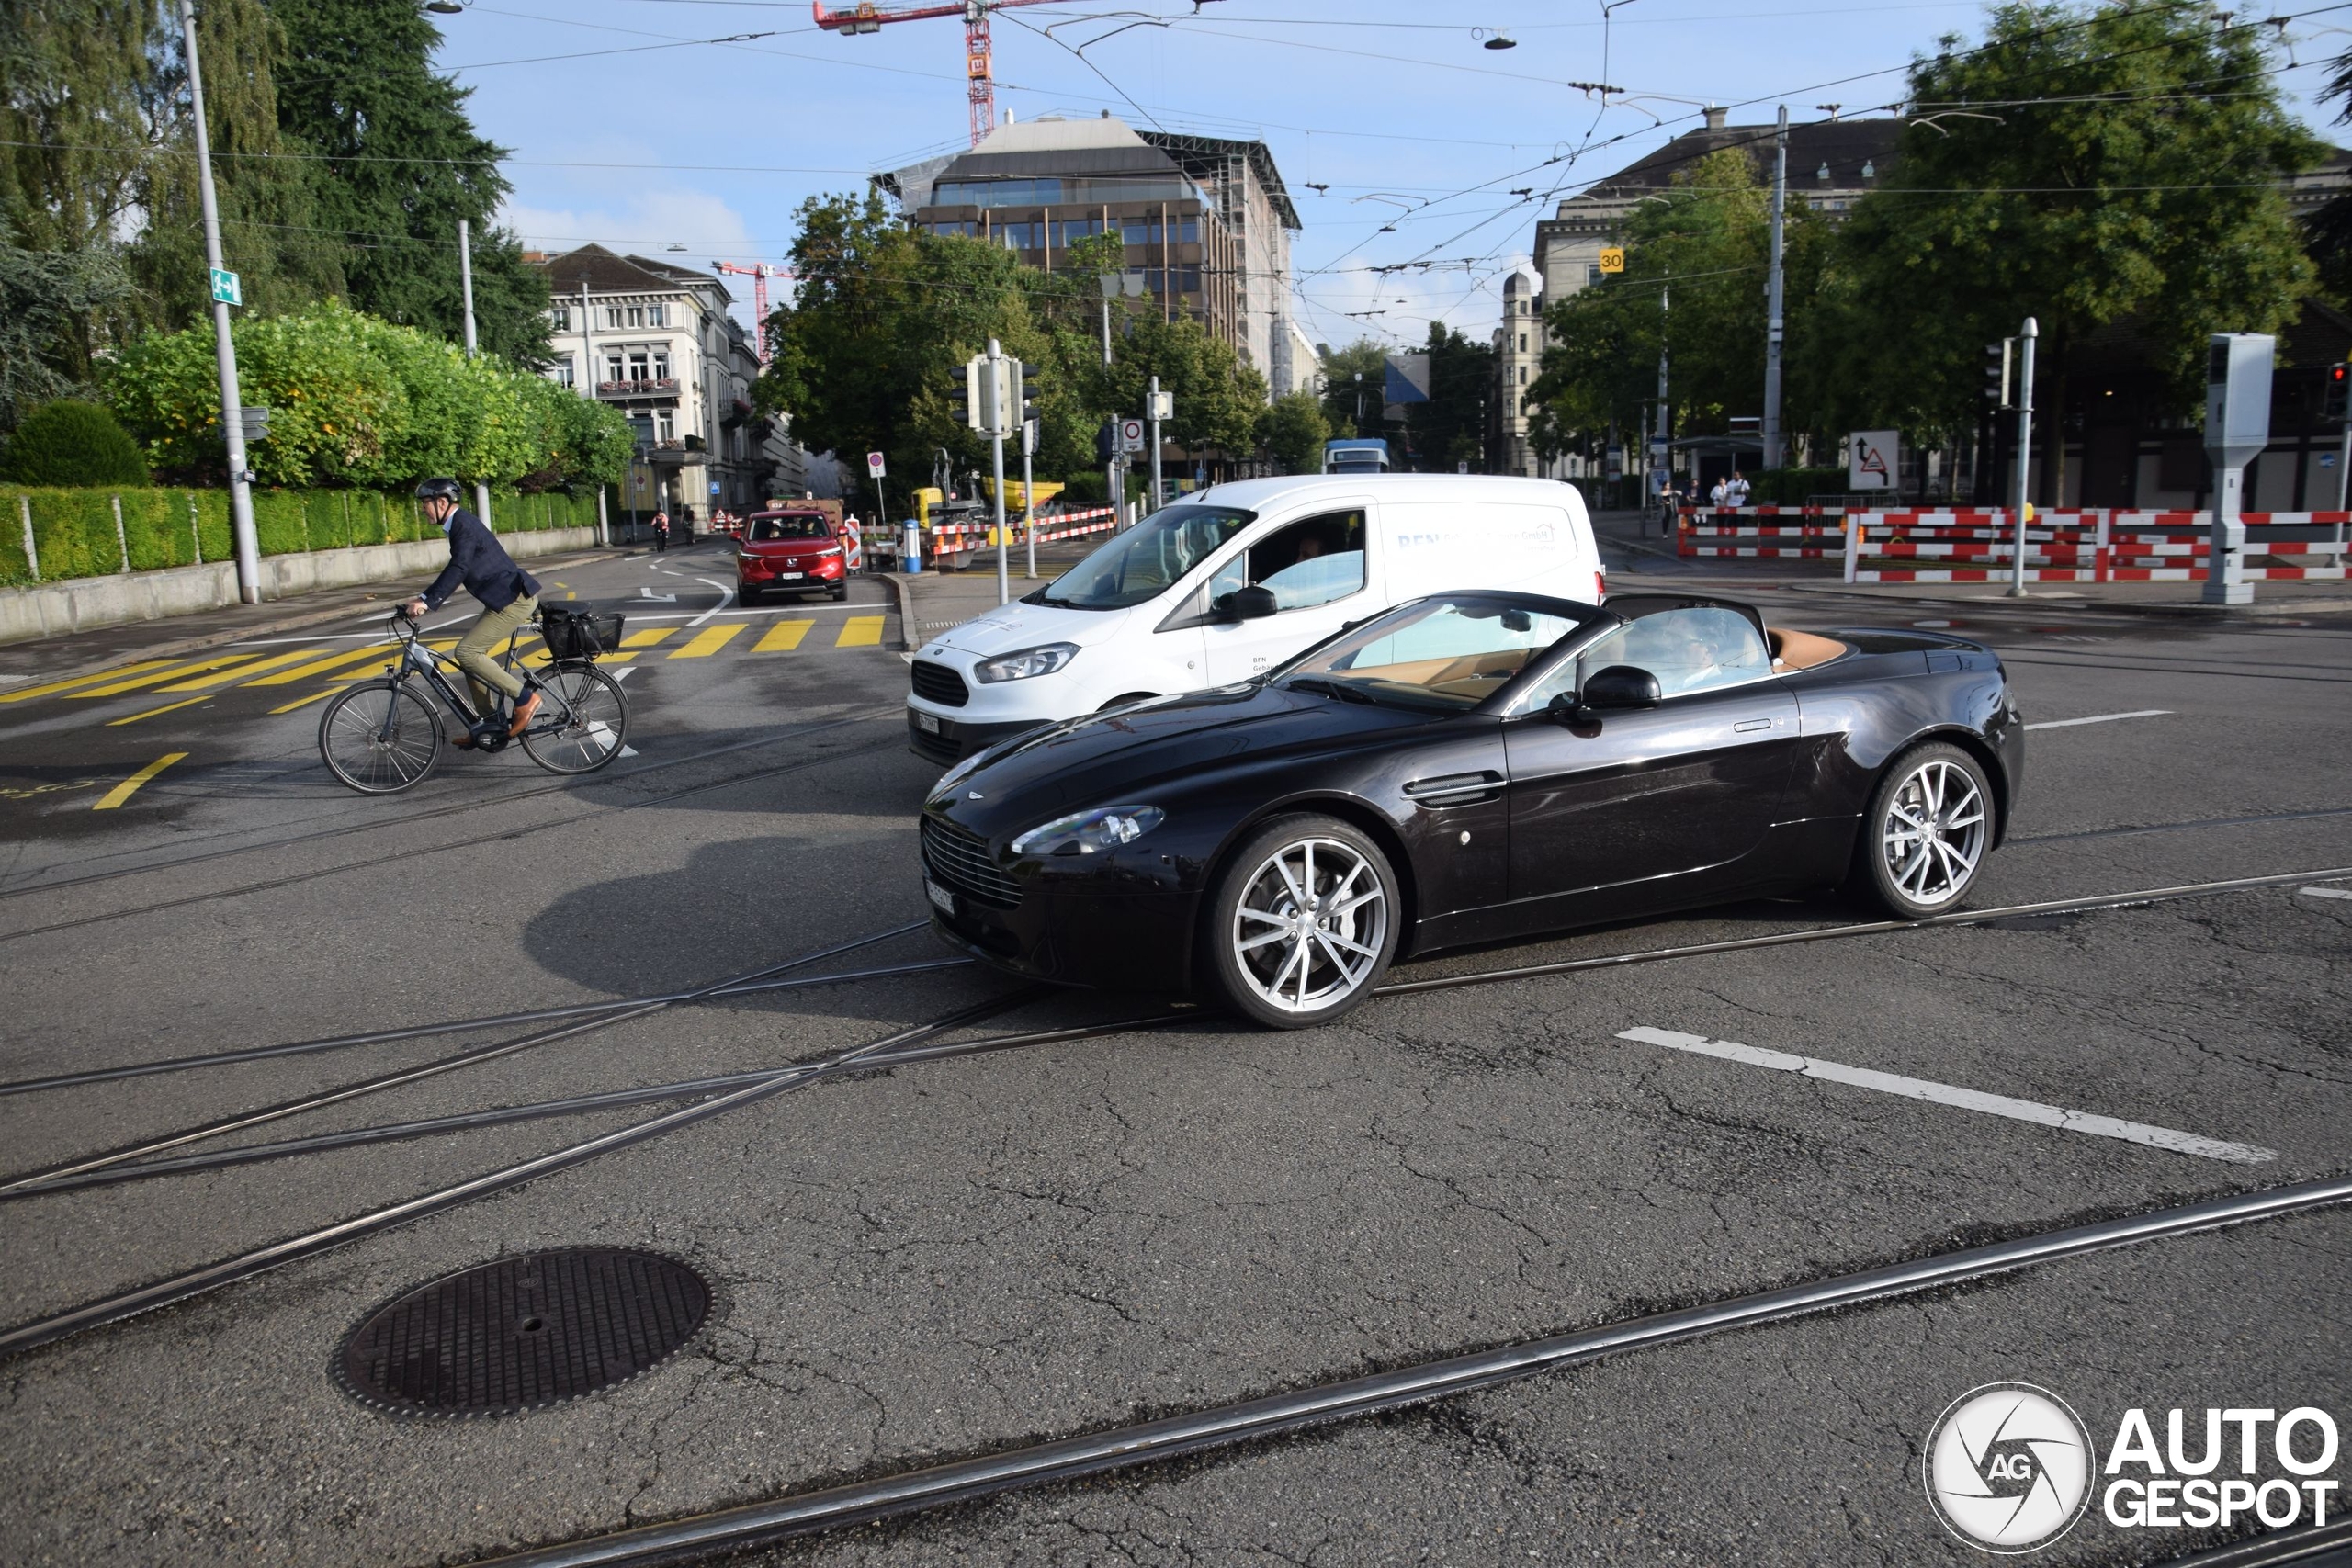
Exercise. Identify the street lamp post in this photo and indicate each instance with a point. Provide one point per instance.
(2025, 335)
(466, 286)
(233, 420)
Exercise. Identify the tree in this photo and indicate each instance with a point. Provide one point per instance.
(397, 166)
(48, 301)
(1293, 430)
(1450, 427)
(72, 443)
(2083, 167)
(1343, 394)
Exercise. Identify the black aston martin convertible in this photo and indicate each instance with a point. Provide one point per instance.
(1469, 767)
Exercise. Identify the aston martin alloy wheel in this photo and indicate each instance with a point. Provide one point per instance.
(1303, 922)
(1930, 826)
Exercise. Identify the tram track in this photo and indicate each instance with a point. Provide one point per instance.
(291, 879)
(1233, 1423)
(875, 1056)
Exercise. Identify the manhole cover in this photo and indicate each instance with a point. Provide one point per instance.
(523, 1332)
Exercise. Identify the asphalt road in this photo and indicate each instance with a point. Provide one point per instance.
(953, 1257)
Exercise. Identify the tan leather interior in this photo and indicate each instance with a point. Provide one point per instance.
(1802, 650)
(1472, 675)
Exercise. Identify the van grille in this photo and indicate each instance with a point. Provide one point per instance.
(938, 683)
(959, 858)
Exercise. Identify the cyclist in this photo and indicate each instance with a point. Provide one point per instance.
(660, 532)
(509, 597)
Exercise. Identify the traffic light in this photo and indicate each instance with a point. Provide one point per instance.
(1997, 372)
(1106, 441)
(1026, 382)
(2335, 404)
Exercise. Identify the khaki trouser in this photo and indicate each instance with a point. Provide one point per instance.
(483, 673)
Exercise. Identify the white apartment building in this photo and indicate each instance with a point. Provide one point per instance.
(655, 340)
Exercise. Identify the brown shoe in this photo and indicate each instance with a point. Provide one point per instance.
(464, 741)
(524, 711)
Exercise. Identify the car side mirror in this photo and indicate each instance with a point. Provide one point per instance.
(1254, 602)
(1617, 688)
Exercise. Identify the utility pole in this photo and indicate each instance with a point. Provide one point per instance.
(1660, 449)
(1109, 281)
(995, 391)
(2026, 334)
(465, 282)
(1153, 413)
(1774, 325)
(233, 419)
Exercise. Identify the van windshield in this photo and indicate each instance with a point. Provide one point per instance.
(1147, 560)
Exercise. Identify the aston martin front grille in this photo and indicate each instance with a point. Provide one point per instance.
(959, 859)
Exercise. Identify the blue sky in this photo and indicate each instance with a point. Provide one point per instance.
(624, 134)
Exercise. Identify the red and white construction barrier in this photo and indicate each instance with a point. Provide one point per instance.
(962, 538)
(2092, 545)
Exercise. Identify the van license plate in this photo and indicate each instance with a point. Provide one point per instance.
(939, 896)
(927, 722)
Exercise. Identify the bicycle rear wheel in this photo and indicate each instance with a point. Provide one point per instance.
(586, 722)
(379, 737)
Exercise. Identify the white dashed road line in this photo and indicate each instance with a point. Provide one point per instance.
(1964, 1098)
(2327, 893)
(2098, 719)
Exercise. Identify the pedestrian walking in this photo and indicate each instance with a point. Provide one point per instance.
(1735, 491)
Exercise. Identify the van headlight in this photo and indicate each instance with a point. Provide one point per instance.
(1090, 832)
(1029, 661)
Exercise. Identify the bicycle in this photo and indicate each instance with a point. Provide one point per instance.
(382, 737)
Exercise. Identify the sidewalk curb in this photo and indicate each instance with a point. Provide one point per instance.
(902, 594)
(199, 643)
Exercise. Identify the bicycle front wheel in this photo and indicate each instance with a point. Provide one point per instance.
(585, 721)
(379, 737)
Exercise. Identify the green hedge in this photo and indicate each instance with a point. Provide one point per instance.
(73, 530)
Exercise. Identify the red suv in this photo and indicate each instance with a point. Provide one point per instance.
(793, 552)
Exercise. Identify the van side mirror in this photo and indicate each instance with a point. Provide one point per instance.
(1254, 602)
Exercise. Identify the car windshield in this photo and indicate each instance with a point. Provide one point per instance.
(1446, 654)
(1147, 560)
(767, 530)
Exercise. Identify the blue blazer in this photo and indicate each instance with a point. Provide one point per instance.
(479, 561)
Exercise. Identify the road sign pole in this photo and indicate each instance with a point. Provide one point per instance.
(996, 391)
(1029, 489)
(1154, 412)
(466, 287)
(233, 424)
(2025, 335)
(1773, 321)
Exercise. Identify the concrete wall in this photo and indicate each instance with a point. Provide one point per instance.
(51, 609)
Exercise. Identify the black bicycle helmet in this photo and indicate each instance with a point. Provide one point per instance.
(439, 490)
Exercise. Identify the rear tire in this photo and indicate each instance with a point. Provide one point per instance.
(1926, 834)
(595, 728)
(1302, 924)
(370, 756)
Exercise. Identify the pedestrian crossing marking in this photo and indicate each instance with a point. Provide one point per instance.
(56, 686)
(649, 639)
(223, 677)
(861, 631)
(709, 641)
(373, 652)
(783, 636)
(167, 707)
(116, 688)
(306, 702)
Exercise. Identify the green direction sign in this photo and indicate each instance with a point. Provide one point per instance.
(225, 287)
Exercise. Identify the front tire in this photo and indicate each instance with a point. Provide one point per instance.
(1927, 833)
(593, 720)
(379, 737)
(747, 595)
(1303, 923)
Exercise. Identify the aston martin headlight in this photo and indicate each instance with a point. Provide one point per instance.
(1029, 661)
(1090, 832)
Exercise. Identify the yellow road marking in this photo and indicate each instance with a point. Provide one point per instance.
(306, 702)
(709, 641)
(861, 631)
(649, 639)
(115, 688)
(332, 661)
(223, 678)
(80, 681)
(167, 707)
(129, 786)
(783, 636)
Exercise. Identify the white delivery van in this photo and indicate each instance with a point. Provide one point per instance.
(1230, 582)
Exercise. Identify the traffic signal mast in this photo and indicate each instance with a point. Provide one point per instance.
(978, 68)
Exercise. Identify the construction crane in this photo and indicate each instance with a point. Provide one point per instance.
(759, 273)
(867, 18)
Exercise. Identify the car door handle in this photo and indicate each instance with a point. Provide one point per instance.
(1744, 725)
